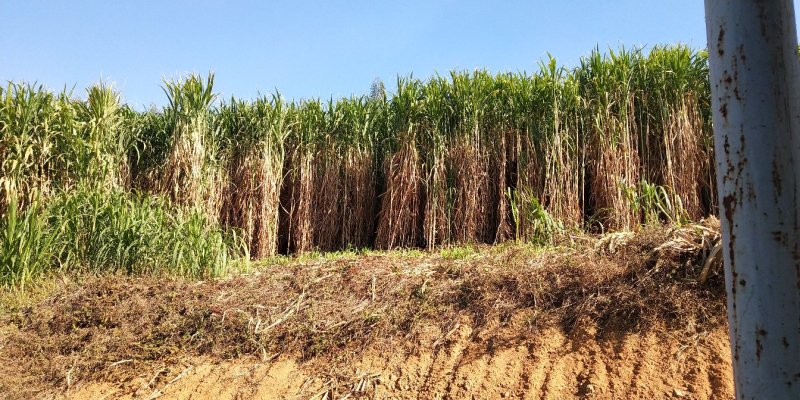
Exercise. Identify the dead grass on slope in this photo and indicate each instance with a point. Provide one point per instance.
(115, 327)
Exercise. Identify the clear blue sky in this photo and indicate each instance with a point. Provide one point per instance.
(315, 48)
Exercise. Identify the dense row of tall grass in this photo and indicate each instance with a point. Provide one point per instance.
(620, 140)
(89, 230)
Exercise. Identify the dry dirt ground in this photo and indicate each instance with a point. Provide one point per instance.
(553, 366)
(622, 316)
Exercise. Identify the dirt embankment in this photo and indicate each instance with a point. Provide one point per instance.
(624, 316)
(553, 366)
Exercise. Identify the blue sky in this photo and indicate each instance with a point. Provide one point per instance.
(315, 48)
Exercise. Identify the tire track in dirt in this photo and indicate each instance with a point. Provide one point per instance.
(395, 378)
(720, 366)
(564, 379)
(414, 374)
(551, 366)
(504, 376)
(493, 375)
(695, 377)
(463, 381)
(643, 371)
(615, 369)
(593, 378)
(446, 363)
(541, 360)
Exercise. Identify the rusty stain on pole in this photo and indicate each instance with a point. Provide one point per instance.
(755, 86)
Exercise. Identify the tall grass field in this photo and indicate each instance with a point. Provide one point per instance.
(89, 184)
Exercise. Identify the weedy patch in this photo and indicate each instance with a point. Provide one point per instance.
(458, 253)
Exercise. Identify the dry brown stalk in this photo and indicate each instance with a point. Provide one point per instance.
(359, 200)
(469, 165)
(399, 219)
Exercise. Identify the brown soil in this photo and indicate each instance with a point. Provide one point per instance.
(623, 316)
(553, 366)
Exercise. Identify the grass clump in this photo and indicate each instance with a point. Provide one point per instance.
(92, 231)
(26, 247)
(458, 253)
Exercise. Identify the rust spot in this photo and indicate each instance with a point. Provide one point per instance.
(720, 38)
(741, 54)
(729, 201)
(759, 345)
(780, 237)
(776, 179)
(797, 283)
(741, 138)
(726, 146)
(785, 342)
(742, 282)
(729, 205)
(751, 192)
(724, 110)
(762, 18)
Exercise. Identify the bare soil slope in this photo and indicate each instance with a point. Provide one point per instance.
(554, 366)
(623, 316)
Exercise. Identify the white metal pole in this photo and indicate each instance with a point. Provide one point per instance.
(755, 88)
